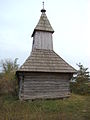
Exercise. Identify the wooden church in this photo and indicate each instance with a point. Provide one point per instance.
(44, 75)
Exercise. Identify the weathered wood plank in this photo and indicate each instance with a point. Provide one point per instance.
(45, 90)
(45, 87)
(51, 96)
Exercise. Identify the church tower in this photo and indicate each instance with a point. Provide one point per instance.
(42, 34)
(44, 74)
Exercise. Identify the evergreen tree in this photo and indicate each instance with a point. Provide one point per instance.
(81, 84)
(82, 75)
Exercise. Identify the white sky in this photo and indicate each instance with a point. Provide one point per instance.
(69, 18)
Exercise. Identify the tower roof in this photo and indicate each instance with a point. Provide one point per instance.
(43, 24)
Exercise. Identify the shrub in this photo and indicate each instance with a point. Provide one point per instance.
(82, 89)
(8, 81)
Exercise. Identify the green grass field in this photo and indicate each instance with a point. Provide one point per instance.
(74, 108)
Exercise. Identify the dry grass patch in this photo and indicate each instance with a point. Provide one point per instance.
(74, 108)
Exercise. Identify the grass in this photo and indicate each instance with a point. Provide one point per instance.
(76, 107)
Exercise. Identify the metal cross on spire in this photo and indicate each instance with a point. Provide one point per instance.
(43, 10)
(43, 4)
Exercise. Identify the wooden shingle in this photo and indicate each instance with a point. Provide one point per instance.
(46, 61)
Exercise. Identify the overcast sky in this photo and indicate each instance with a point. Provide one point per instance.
(70, 20)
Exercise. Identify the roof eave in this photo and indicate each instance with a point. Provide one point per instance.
(72, 72)
(41, 30)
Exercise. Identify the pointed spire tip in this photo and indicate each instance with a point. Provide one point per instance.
(43, 10)
(43, 4)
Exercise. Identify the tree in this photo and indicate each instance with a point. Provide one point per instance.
(82, 74)
(8, 81)
(9, 66)
(81, 81)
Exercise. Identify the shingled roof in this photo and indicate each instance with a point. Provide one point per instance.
(46, 61)
(43, 24)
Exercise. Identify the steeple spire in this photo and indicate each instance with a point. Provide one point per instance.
(43, 24)
(42, 34)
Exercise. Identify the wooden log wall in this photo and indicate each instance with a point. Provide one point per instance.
(45, 86)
